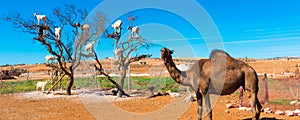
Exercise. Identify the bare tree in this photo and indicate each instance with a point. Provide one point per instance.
(68, 49)
(125, 49)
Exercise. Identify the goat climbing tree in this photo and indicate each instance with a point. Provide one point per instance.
(67, 45)
(124, 49)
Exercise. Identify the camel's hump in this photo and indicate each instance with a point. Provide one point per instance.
(218, 53)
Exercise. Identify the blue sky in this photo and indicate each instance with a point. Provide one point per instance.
(252, 28)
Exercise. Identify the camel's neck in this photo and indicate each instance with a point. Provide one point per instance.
(175, 73)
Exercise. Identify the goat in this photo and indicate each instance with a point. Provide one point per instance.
(117, 26)
(40, 17)
(117, 53)
(50, 57)
(57, 33)
(43, 30)
(90, 46)
(85, 27)
(41, 85)
(173, 94)
(134, 31)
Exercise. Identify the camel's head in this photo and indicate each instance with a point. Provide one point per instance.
(166, 53)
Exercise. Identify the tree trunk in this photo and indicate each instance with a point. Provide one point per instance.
(70, 85)
(123, 76)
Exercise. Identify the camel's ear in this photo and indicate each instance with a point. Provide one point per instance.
(171, 51)
(163, 49)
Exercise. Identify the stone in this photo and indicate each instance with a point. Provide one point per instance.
(227, 111)
(249, 109)
(189, 99)
(294, 102)
(297, 111)
(279, 112)
(289, 113)
(242, 108)
(267, 110)
(229, 105)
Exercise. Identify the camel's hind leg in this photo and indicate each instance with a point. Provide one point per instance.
(208, 106)
(251, 88)
(254, 102)
(200, 107)
(255, 105)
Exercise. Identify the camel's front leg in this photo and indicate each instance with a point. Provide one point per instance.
(208, 106)
(200, 109)
(241, 89)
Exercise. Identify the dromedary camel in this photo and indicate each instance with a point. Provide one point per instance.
(220, 74)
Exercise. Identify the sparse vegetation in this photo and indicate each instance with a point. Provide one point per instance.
(137, 83)
(25, 86)
(281, 101)
(18, 86)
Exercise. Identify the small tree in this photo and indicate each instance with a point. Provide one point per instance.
(124, 49)
(69, 48)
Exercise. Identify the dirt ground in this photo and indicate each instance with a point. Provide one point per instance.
(93, 106)
(89, 107)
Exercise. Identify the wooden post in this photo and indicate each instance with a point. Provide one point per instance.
(1, 82)
(55, 83)
(266, 88)
(297, 78)
(27, 76)
(297, 94)
(129, 82)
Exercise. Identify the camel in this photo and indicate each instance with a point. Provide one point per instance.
(220, 74)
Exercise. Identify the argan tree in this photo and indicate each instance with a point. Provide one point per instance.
(124, 50)
(76, 32)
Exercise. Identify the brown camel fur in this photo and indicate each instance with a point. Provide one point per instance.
(220, 74)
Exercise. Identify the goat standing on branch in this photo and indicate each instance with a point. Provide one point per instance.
(49, 57)
(57, 33)
(117, 26)
(90, 47)
(84, 27)
(40, 17)
(42, 30)
(134, 32)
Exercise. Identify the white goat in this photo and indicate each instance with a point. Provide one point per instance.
(117, 53)
(173, 94)
(90, 47)
(117, 26)
(85, 27)
(134, 31)
(57, 33)
(40, 17)
(41, 85)
(50, 57)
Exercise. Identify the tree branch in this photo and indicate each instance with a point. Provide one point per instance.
(131, 60)
(100, 69)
